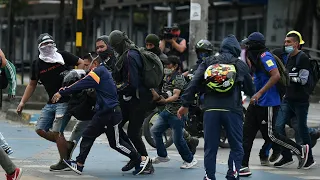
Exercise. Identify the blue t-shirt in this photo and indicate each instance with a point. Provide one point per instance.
(270, 97)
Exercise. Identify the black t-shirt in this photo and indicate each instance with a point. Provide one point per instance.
(49, 73)
(297, 92)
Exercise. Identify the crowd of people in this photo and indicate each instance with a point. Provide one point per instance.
(111, 86)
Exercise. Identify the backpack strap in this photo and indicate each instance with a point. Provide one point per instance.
(298, 58)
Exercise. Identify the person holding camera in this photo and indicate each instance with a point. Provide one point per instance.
(172, 44)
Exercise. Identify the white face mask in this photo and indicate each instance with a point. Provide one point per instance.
(167, 71)
(47, 50)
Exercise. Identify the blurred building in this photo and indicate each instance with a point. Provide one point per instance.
(140, 17)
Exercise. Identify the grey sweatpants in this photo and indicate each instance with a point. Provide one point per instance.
(77, 131)
(6, 162)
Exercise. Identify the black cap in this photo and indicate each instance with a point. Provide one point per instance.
(104, 38)
(45, 37)
(153, 39)
(175, 26)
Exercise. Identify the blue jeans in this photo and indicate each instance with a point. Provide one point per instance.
(233, 124)
(53, 117)
(167, 120)
(287, 111)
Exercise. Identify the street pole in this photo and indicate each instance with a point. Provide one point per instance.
(79, 27)
(199, 14)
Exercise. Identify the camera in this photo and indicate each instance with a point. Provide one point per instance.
(167, 33)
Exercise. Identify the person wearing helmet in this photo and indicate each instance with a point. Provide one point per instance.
(204, 49)
(135, 98)
(221, 108)
(295, 105)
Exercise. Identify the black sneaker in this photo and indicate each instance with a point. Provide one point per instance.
(130, 165)
(264, 161)
(245, 172)
(283, 162)
(304, 156)
(74, 166)
(71, 145)
(274, 157)
(142, 166)
(149, 169)
(192, 144)
(309, 164)
(60, 166)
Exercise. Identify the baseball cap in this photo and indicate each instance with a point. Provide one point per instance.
(298, 34)
(255, 36)
(45, 37)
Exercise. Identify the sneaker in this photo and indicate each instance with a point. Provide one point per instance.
(157, 160)
(149, 169)
(130, 165)
(7, 149)
(192, 144)
(186, 165)
(60, 166)
(283, 162)
(264, 161)
(245, 172)
(206, 177)
(304, 157)
(71, 145)
(274, 157)
(16, 175)
(74, 166)
(309, 164)
(142, 166)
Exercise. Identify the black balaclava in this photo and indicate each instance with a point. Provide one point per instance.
(104, 55)
(154, 39)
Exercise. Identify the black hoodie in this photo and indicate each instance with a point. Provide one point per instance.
(229, 52)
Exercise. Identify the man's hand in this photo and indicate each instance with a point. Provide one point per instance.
(169, 40)
(56, 97)
(182, 111)
(255, 98)
(20, 108)
(162, 100)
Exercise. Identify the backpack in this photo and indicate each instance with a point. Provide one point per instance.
(220, 77)
(3, 79)
(152, 73)
(314, 72)
(284, 80)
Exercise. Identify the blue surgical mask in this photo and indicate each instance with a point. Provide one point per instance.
(289, 49)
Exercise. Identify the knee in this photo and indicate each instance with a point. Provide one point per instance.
(41, 132)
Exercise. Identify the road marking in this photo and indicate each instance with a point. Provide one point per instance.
(309, 177)
(262, 168)
(286, 172)
(36, 166)
(76, 176)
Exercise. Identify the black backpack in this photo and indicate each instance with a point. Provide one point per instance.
(81, 105)
(314, 72)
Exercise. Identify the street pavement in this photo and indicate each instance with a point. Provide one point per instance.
(35, 155)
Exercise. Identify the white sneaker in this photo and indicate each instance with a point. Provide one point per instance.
(186, 165)
(158, 159)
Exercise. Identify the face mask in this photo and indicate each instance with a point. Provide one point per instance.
(289, 49)
(202, 56)
(105, 54)
(167, 71)
(47, 50)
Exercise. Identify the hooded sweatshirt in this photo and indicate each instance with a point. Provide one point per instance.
(229, 52)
